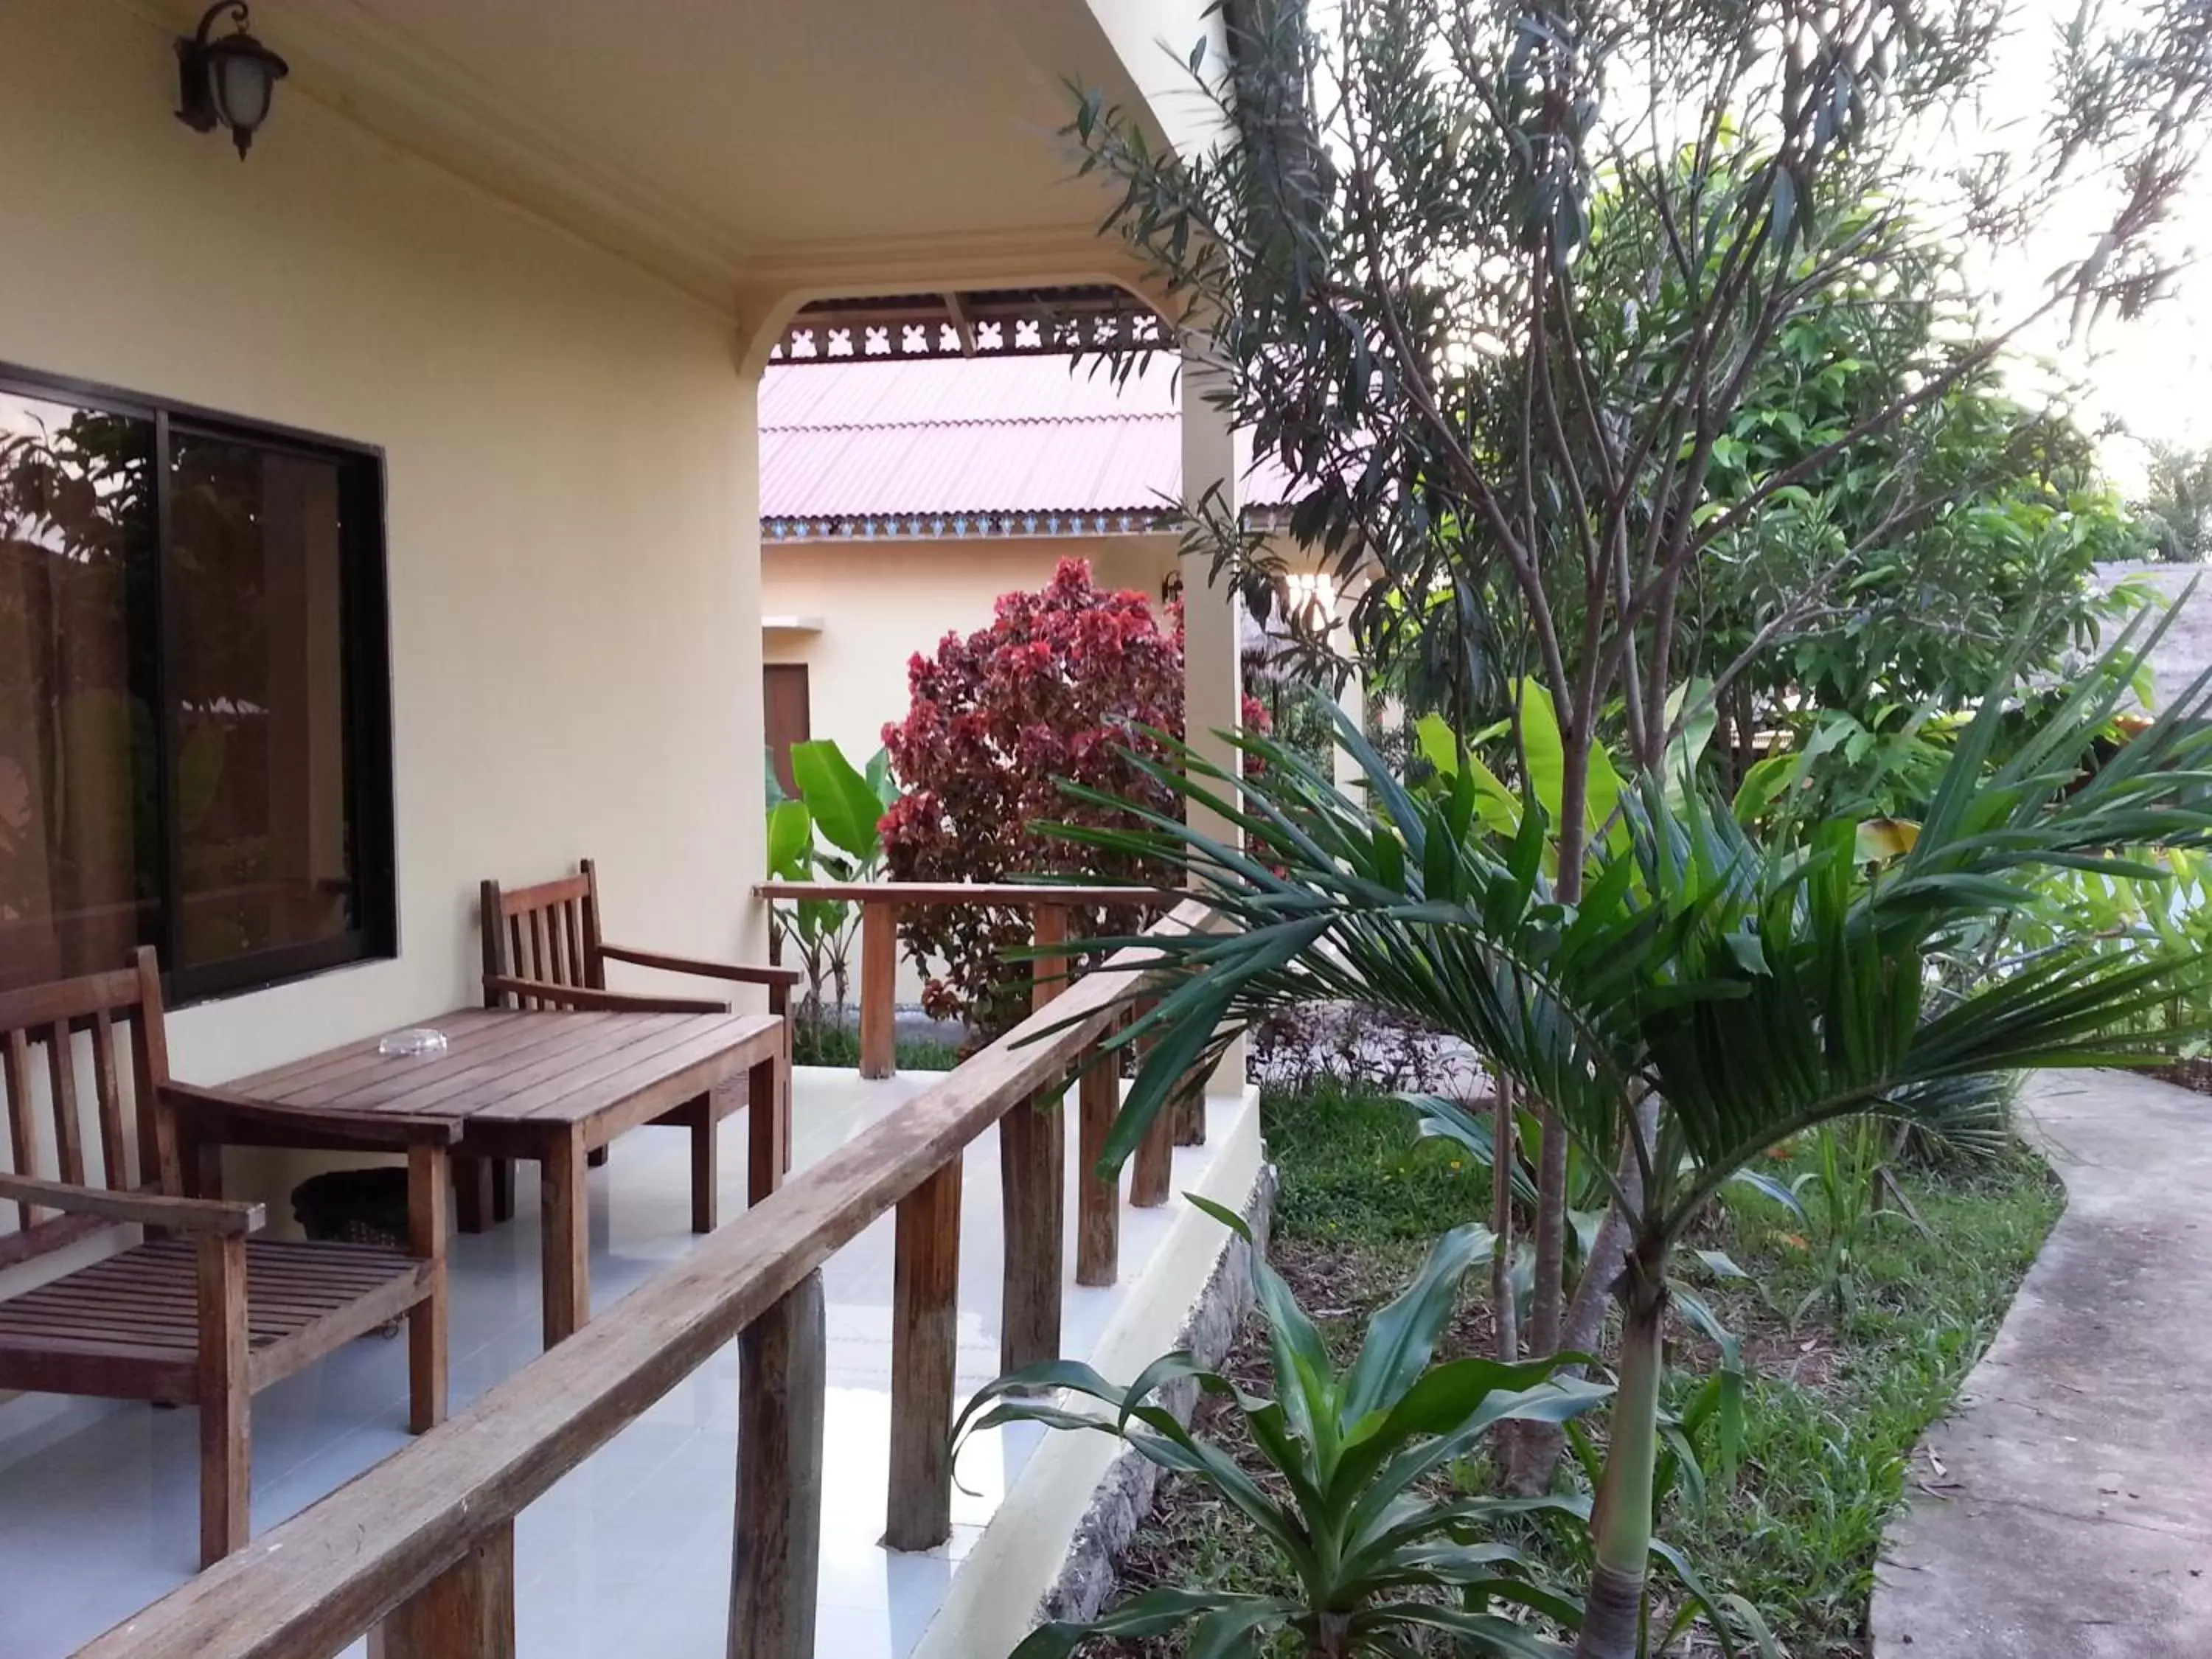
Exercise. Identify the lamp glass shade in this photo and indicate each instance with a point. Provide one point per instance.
(243, 85)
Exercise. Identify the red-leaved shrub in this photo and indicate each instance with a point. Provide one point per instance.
(1062, 685)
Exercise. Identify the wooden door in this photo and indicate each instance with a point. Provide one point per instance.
(784, 697)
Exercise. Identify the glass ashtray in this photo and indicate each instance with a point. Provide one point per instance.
(413, 1043)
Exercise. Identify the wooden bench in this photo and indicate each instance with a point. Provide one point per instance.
(543, 950)
(199, 1313)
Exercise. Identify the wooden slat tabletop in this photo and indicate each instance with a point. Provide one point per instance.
(504, 1066)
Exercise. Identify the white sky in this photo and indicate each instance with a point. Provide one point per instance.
(2153, 375)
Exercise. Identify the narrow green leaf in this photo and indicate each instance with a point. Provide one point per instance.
(1402, 1336)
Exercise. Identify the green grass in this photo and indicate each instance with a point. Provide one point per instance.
(1827, 1457)
(1833, 1415)
(831, 1045)
(1353, 1171)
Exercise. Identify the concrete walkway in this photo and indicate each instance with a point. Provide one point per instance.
(2072, 1516)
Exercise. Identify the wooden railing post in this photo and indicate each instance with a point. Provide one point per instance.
(925, 1329)
(1098, 1198)
(1151, 1172)
(467, 1611)
(1032, 1171)
(1189, 1111)
(777, 1563)
(1032, 1174)
(1048, 979)
(879, 990)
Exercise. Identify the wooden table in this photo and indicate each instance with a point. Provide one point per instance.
(556, 1087)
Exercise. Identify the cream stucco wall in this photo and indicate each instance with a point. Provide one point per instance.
(572, 512)
(879, 603)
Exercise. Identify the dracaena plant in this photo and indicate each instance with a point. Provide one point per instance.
(1708, 996)
(1375, 1555)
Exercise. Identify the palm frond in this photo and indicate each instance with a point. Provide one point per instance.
(1758, 986)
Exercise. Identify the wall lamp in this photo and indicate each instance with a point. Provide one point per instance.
(231, 81)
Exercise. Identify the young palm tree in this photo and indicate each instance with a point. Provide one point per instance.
(1708, 996)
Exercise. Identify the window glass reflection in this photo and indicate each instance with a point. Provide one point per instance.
(256, 689)
(79, 826)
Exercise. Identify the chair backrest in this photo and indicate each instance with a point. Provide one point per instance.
(548, 933)
(61, 1049)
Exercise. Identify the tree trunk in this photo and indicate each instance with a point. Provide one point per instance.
(1505, 1139)
(1620, 1523)
(1536, 1450)
(1332, 1637)
(1550, 1290)
(1528, 1468)
(1601, 1280)
(1746, 722)
(1572, 832)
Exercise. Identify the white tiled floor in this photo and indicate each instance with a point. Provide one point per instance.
(629, 1555)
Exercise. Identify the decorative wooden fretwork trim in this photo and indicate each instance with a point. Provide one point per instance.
(961, 527)
(996, 322)
(990, 526)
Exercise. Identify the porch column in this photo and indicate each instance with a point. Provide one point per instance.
(1351, 697)
(750, 750)
(1213, 668)
(1214, 453)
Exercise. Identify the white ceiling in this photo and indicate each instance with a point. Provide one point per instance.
(712, 135)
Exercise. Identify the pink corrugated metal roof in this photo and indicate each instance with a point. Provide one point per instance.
(1004, 435)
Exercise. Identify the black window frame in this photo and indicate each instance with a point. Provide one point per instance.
(365, 634)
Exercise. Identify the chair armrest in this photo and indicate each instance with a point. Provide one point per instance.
(183, 1215)
(743, 973)
(308, 1126)
(576, 996)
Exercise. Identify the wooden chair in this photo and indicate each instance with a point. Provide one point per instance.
(198, 1313)
(543, 948)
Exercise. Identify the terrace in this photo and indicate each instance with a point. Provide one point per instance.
(618, 1456)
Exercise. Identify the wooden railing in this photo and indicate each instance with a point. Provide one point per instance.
(419, 1552)
(882, 903)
